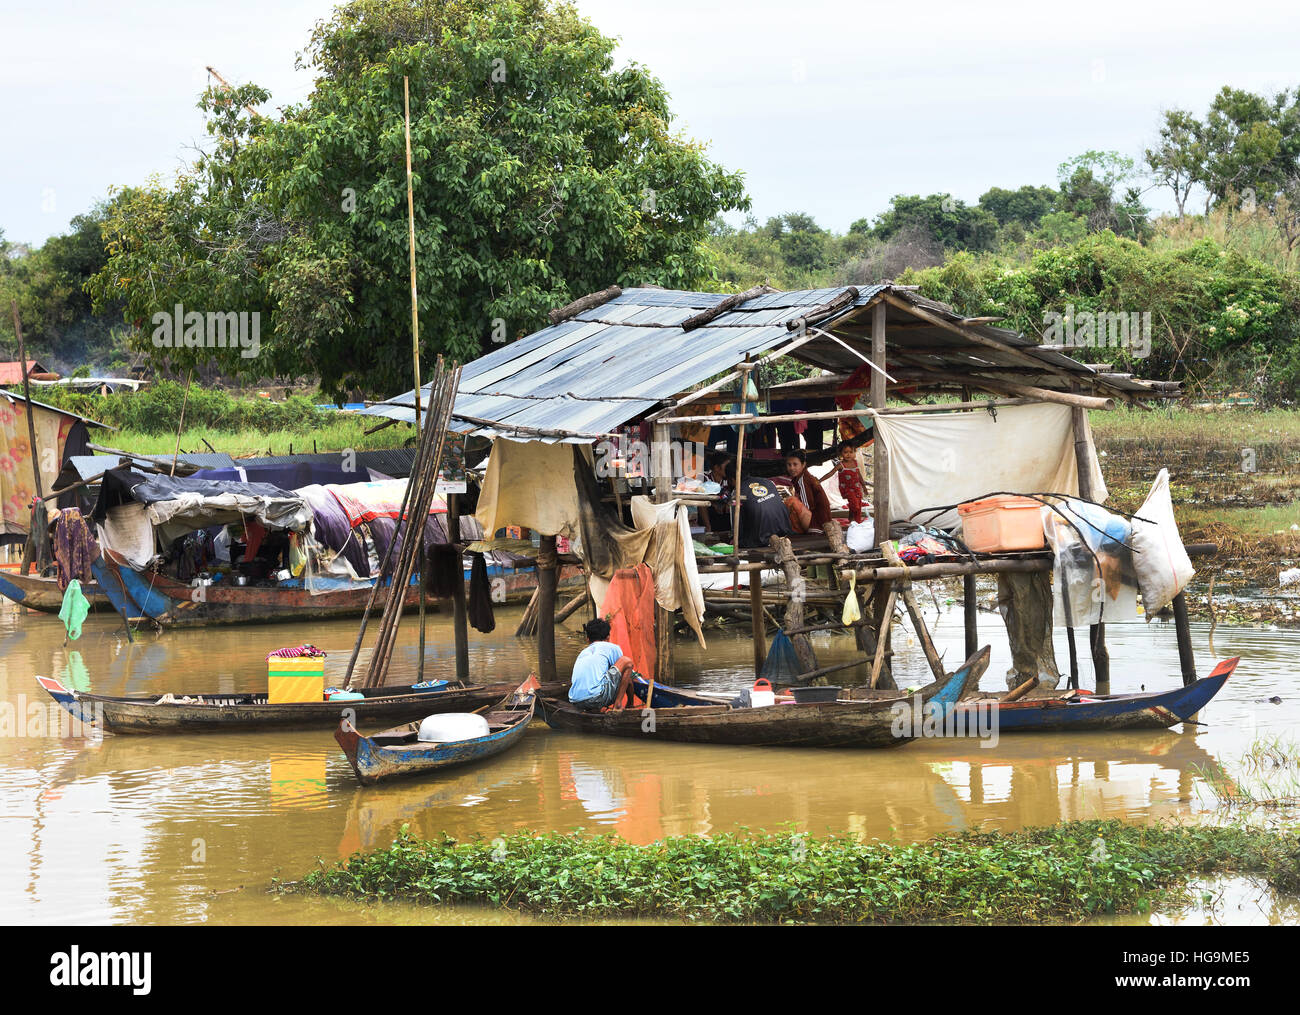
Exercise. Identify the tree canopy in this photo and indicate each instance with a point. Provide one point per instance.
(541, 172)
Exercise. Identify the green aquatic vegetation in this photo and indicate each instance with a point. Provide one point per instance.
(1066, 872)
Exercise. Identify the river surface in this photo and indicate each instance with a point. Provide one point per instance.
(168, 829)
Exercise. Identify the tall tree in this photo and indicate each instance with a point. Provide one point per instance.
(542, 171)
(1178, 159)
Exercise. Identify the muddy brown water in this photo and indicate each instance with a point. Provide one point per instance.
(168, 829)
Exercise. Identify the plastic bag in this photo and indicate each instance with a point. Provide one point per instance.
(1082, 536)
(860, 537)
(852, 613)
(1160, 560)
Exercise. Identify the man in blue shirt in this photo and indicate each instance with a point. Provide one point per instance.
(602, 674)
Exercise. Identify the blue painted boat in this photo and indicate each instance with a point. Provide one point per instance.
(44, 594)
(1083, 711)
(398, 753)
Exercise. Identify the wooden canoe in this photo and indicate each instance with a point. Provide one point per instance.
(397, 753)
(249, 712)
(679, 715)
(44, 594)
(1084, 711)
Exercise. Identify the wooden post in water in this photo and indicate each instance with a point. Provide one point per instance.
(970, 613)
(547, 563)
(661, 465)
(460, 615)
(757, 621)
(1083, 460)
(882, 604)
(1182, 627)
(31, 431)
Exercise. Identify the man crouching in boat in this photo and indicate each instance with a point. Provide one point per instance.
(602, 674)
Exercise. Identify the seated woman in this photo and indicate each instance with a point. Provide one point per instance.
(808, 505)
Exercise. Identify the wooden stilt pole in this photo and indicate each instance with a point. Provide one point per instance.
(1186, 660)
(665, 620)
(758, 623)
(459, 611)
(31, 434)
(1083, 460)
(546, 582)
(914, 611)
(970, 613)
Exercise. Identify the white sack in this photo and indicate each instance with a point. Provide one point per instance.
(1159, 558)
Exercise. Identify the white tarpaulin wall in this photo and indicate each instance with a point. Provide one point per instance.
(947, 458)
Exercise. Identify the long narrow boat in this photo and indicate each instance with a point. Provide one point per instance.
(398, 753)
(247, 712)
(173, 603)
(1085, 711)
(44, 594)
(682, 716)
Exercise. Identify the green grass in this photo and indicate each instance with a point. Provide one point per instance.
(343, 431)
(1066, 872)
(1196, 426)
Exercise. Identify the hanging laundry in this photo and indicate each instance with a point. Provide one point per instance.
(75, 548)
(443, 571)
(480, 597)
(74, 609)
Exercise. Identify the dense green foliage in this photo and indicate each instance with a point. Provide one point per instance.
(157, 410)
(60, 326)
(542, 172)
(1064, 872)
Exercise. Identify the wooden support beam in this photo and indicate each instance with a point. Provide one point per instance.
(797, 584)
(757, 622)
(884, 616)
(459, 608)
(970, 614)
(1083, 463)
(665, 620)
(546, 583)
(1186, 660)
(918, 621)
(880, 456)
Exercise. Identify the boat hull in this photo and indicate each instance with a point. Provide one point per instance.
(1149, 711)
(687, 718)
(372, 762)
(221, 713)
(173, 603)
(44, 594)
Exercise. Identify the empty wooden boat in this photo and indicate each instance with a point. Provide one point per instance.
(682, 716)
(1082, 710)
(398, 753)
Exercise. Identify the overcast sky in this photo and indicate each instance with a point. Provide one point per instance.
(829, 107)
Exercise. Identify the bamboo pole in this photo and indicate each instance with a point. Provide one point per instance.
(180, 428)
(27, 394)
(743, 383)
(410, 218)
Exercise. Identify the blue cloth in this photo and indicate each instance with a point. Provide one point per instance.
(590, 671)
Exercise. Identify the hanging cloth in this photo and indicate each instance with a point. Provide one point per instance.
(480, 597)
(74, 609)
(443, 570)
(75, 549)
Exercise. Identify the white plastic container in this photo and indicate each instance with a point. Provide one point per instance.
(761, 694)
(450, 727)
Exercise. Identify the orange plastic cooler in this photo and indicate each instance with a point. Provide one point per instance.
(1002, 524)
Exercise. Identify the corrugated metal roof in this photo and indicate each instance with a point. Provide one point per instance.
(612, 363)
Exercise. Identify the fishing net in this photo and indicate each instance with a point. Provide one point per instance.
(781, 665)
